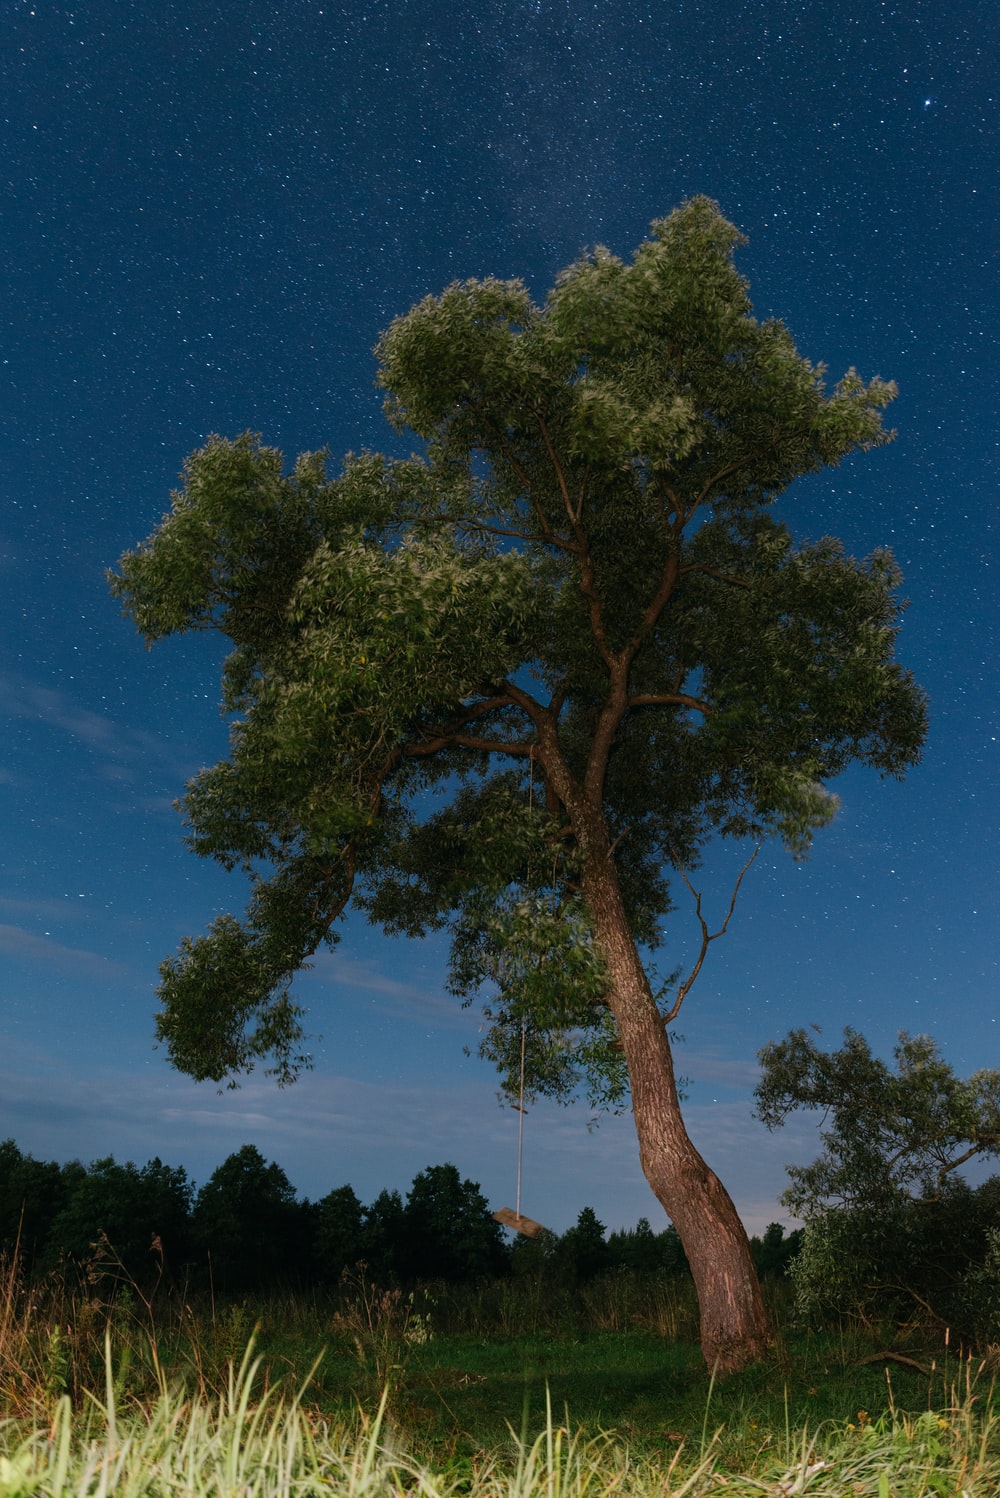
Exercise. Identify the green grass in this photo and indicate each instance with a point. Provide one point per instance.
(373, 1392)
(252, 1438)
(463, 1395)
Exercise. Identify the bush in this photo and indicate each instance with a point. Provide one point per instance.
(936, 1259)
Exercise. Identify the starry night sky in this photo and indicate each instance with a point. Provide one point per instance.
(207, 216)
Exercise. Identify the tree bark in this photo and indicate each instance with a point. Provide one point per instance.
(735, 1328)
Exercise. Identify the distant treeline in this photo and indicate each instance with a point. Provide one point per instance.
(246, 1230)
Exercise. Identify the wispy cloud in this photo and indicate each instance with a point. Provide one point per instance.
(46, 909)
(396, 995)
(118, 744)
(28, 946)
(709, 1068)
(21, 698)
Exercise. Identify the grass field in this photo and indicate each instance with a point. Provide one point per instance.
(377, 1392)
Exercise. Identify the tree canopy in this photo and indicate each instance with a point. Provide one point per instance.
(582, 549)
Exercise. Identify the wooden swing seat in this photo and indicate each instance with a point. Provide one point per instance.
(525, 1225)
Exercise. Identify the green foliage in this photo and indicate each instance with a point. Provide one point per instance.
(935, 1259)
(565, 643)
(889, 1132)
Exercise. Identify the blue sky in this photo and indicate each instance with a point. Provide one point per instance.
(208, 215)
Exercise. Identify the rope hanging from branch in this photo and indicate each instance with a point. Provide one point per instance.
(513, 1219)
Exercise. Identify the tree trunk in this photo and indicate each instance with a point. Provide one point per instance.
(735, 1329)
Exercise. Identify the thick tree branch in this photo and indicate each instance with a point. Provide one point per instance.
(453, 734)
(619, 701)
(669, 699)
(326, 916)
(658, 602)
(573, 511)
(422, 748)
(723, 577)
(682, 516)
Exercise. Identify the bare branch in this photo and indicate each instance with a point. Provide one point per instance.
(986, 1142)
(706, 937)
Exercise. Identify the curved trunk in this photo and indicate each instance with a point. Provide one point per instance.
(735, 1329)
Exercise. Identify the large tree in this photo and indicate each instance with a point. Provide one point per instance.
(512, 684)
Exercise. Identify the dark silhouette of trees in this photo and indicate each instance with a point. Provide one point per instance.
(248, 1224)
(32, 1193)
(338, 1232)
(449, 1230)
(124, 1217)
(583, 1252)
(775, 1252)
(644, 1252)
(384, 1236)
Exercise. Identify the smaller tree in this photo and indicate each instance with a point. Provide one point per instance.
(889, 1132)
(889, 1225)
